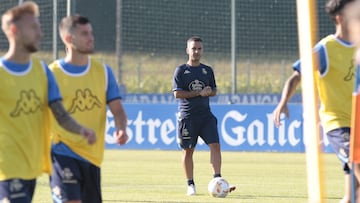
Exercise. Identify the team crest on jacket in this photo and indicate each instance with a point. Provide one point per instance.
(204, 71)
(28, 103)
(196, 85)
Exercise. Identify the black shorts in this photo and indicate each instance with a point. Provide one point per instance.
(73, 179)
(17, 190)
(190, 129)
(339, 140)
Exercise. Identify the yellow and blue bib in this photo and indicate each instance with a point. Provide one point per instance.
(24, 122)
(335, 84)
(84, 97)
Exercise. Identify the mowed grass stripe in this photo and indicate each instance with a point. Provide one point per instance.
(157, 176)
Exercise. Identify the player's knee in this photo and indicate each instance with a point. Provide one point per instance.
(188, 152)
(214, 146)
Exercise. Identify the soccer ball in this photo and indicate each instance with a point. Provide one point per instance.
(218, 187)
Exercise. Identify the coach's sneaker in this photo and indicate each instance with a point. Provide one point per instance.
(191, 190)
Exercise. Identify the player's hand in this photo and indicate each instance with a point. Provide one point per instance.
(206, 91)
(277, 113)
(120, 136)
(89, 135)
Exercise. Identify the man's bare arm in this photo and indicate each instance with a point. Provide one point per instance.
(68, 123)
(119, 113)
(206, 92)
(120, 119)
(290, 87)
(288, 91)
(64, 118)
(181, 94)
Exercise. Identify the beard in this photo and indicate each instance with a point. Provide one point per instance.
(195, 59)
(31, 48)
(85, 51)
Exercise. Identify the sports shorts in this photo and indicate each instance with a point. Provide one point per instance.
(17, 190)
(73, 179)
(190, 129)
(339, 140)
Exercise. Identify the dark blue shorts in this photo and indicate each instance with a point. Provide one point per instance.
(17, 190)
(73, 179)
(190, 129)
(339, 140)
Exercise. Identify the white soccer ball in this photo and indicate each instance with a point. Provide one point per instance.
(218, 187)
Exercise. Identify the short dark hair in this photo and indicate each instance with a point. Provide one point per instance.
(334, 7)
(194, 39)
(68, 23)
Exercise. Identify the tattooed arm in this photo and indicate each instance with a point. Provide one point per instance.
(68, 123)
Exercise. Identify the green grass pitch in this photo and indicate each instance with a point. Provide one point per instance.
(157, 176)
